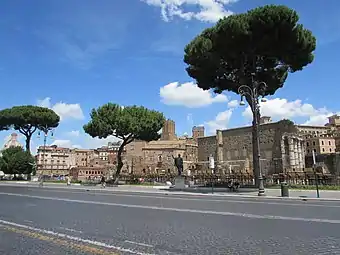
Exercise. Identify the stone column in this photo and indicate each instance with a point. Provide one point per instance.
(219, 138)
(283, 150)
(296, 152)
(291, 152)
(300, 155)
(303, 155)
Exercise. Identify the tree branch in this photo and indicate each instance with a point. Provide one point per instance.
(23, 131)
(32, 131)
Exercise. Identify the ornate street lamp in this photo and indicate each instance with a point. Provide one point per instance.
(252, 94)
(46, 131)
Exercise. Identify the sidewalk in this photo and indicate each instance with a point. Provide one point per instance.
(325, 195)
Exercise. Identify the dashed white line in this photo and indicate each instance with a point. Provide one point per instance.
(140, 244)
(73, 238)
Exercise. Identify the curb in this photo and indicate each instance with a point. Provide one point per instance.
(156, 190)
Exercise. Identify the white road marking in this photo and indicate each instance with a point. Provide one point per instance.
(73, 238)
(222, 196)
(245, 215)
(28, 221)
(257, 201)
(71, 230)
(137, 243)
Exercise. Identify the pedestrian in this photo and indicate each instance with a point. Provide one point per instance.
(68, 179)
(103, 181)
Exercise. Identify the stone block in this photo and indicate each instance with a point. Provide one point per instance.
(179, 182)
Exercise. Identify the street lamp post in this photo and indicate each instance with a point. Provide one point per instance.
(45, 131)
(253, 94)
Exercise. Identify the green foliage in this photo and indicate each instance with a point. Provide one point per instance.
(27, 119)
(288, 126)
(15, 160)
(126, 123)
(262, 45)
(286, 122)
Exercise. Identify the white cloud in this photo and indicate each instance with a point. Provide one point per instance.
(281, 108)
(65, 111)
(189, 95)
(63, 143)
(84, 141)
(206, 10)
(233, 104)
(221, 121)
(318, 120)
(93, 143)
(74, 133)
(78, 146)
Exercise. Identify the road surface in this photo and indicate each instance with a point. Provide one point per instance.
(65, 221)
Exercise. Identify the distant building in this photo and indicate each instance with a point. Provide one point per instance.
(156, 157)
(168, 131)
(322, 144)
(12, 142)
(113, 151)
(54, 160)
(197, 131)
(83, 157)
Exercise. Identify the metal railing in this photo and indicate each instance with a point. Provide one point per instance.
(245, 180)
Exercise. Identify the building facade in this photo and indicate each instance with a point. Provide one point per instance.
(281, 148)
(157, 157)
(322, 144)
(54, 160)
(83, 157)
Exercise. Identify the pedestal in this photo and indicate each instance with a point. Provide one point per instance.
(179, 182)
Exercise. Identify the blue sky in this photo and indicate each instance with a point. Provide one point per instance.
(74, 55)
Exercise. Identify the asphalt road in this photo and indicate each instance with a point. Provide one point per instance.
(62, 221)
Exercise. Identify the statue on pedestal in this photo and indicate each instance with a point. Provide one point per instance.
(179, 164)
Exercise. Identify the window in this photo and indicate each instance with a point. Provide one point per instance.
(330, 149)
(323, 149)
(314, 150)
(322, 143)
(308, 151)
(314, 143)
(329, 143)
(307, 144)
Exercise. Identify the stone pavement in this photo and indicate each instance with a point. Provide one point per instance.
(270, 193)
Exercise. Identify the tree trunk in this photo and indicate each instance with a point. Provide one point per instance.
(119, 159)
(28, 143)
(119, 166)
